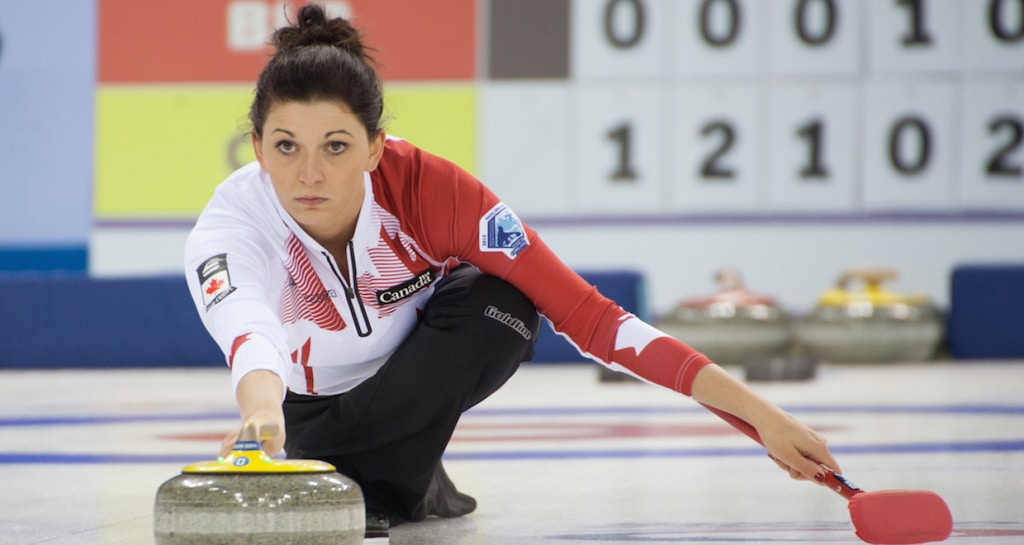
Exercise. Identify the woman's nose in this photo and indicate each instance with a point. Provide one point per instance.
(311, 172)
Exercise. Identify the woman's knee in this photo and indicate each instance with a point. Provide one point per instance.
(505, 304)
(489, 309)
(469, 289)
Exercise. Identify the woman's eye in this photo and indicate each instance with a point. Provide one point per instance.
(285, 147)
(336, 147)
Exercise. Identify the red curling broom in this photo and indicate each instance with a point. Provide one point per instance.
(885, 517)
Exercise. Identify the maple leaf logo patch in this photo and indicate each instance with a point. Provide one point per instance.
(215, 285)
(215, 280)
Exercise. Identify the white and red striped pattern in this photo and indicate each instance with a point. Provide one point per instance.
(396, 259)
(306, 298)
(301, 357)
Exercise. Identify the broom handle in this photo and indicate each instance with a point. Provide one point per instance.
(828, 478)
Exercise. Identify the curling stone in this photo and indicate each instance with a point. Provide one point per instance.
(857, 321)
(788, 368)
(733, 325)
(605, 374)
(249, 498)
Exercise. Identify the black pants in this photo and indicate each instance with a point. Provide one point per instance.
(388, 433)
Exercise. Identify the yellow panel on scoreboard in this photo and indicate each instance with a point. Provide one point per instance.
(160, 151)
(438, 118)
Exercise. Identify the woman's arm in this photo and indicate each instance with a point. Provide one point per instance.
(259, 400)
(792, 445)
(460, 225)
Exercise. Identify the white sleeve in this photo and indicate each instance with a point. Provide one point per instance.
(234, 278)
(254, 352)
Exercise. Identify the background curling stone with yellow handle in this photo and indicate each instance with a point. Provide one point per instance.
(858, 321)
(248, 498)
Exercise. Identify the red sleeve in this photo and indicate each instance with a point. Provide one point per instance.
(598, 326)
(455, 216)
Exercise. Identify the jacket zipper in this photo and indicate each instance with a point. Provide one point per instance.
(364, 329)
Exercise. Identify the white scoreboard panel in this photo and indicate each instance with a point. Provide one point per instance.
(768, 106)
(714, 135)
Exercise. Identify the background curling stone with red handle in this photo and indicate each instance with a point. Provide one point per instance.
(733, 325)
(251, 499)
(780, 368)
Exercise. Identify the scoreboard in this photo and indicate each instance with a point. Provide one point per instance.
(788, 138)
(598, 108)
(760, 106)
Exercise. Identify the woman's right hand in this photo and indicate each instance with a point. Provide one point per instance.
(259, 402)
(270, 429)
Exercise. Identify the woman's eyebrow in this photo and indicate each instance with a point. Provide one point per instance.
(326, 134)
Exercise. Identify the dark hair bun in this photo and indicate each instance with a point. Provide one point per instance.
(314, 28)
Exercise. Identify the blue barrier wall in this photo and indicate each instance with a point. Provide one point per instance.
(57, 322)
(67, 321)
(986, 319)
(49, 259)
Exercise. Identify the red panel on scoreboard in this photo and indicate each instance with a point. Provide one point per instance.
(225, 40)
(420, 40)
(180, 41)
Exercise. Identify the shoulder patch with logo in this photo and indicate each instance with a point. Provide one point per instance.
(214, 280)
(501, 231)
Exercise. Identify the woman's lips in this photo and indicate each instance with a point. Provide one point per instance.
(311, 201)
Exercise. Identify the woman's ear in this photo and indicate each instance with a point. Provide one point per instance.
(256, 142)
(376, 150)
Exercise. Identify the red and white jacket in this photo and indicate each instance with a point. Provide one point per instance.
(273, 298)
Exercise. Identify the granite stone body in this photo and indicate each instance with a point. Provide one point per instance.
(259, 509)
(733, 325)
(871, 324)
(881, 335)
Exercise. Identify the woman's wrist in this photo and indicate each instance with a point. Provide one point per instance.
(259, 395)
(715, 387)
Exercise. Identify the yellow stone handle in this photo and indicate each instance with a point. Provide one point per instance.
(248, 457)
(872, 278)
(257, 431)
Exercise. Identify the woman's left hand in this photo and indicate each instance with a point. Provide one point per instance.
(795, 448)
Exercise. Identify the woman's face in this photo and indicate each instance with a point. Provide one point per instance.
(316, 154)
